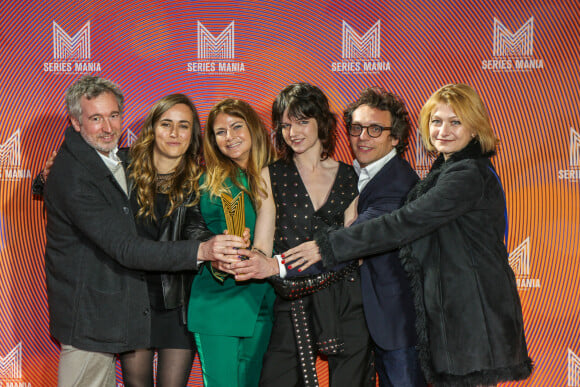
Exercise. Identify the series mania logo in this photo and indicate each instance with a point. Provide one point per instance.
(573, 173)
(215, 54)
(519, 260)
(423, 159)
(361, 54)
(11, 159)
(573, 369)
(130, 137)
(71, 54)
(11, 368)
(513, 51)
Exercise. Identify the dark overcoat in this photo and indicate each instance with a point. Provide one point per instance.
(97, 295)
(469, 318)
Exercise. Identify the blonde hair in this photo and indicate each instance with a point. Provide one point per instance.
(186, 178)
(470, 109)
(220, 167)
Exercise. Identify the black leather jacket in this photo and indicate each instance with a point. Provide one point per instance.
(184, 223)
(94, 257)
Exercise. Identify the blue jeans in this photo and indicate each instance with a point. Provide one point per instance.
(399, 368)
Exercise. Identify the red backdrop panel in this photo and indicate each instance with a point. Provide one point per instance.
(523, 58)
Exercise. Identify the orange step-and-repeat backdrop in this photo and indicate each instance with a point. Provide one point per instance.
(523, 57)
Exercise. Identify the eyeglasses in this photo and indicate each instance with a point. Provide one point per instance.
(356, 130)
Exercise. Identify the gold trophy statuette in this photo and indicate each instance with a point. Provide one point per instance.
(235, 221)
(234, 213)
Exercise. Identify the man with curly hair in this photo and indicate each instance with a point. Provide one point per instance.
(378, 127)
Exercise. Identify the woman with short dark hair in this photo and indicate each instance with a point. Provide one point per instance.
(317, 311)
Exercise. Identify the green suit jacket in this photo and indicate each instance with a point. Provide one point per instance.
(230, 308)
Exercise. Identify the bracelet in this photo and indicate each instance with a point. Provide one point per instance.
(259, 251)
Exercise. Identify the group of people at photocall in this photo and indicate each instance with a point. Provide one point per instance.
(365, 265)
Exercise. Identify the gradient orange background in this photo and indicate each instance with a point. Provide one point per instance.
(146, 48)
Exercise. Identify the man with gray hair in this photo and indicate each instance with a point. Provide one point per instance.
(97, 294)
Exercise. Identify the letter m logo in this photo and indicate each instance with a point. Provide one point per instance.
(519, 259)
(78, 47)
(507, 44)
(355, 46)
(574, 148)
(422, 158)
(11, 364)
(573, 369)
(220, 47)
(131, 137)
(10, 150)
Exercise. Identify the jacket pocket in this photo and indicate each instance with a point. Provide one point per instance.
(101, 316)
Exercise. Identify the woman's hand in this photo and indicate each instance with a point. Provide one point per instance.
(302, 256)
(350, 214)
(222, 266)
(246, 237)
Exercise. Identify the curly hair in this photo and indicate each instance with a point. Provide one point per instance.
(185, 180)
(300, 101)
(220, 167)
(379, 98)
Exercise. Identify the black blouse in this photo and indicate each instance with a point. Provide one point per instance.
(149, 228)
(296, 220)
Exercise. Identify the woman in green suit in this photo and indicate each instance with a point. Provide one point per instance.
(232, 320)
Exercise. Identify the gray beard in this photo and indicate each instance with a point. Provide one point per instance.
(97, 147)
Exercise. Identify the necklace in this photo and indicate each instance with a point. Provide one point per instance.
(163, 182)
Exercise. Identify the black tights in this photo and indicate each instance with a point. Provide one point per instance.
(173, 367)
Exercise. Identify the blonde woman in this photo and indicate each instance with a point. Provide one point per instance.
(233, 331)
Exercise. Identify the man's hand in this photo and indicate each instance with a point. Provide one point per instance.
(48, 165)
(222, 266)
(223, 248)
(257, 266)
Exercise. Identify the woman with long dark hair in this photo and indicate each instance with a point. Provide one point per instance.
(164, 172)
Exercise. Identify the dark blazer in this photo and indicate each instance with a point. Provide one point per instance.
(97, 298)
(387, 296)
